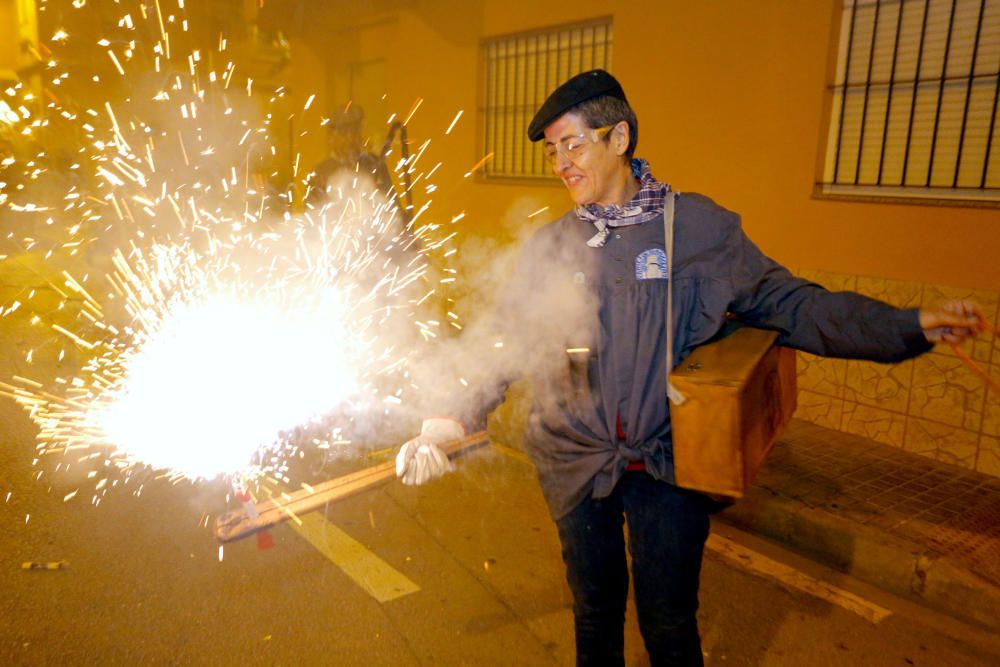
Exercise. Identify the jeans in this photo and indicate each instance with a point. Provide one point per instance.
(667, 529)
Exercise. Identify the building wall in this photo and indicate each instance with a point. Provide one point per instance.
(731, 98)
(934, 405)
(8, 36)
(18, 35)
(732, 101)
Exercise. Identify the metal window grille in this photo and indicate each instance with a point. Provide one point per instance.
(520, 72)
(914, 110)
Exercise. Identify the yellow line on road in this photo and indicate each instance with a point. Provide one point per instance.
(374, 575)
(792, 578)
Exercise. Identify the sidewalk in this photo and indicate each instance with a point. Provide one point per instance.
(918, 528)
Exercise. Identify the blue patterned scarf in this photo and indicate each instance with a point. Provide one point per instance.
(644, 206)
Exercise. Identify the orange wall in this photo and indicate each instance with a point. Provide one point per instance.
(730, 96)
(8, 35)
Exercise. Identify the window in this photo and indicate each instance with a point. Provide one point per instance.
(520, 72)
(914, 110)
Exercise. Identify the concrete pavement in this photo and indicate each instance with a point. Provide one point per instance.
(918, 528)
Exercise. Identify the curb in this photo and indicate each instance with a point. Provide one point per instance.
(894, 564)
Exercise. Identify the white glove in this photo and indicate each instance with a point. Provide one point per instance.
(420, 460)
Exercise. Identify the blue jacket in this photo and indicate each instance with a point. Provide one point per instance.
(587, 324)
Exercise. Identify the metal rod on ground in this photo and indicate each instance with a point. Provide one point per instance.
(238, 524)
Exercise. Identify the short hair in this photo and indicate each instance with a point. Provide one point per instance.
(607, 110)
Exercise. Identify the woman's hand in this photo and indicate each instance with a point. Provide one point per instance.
(952, 321)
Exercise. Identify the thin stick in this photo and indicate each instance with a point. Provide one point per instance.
(238, 524)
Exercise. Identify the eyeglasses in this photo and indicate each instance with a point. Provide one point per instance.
(572, 147)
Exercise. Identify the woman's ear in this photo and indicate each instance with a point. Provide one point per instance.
(621, 137)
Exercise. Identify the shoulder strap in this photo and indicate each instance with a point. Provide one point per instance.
(675, 396)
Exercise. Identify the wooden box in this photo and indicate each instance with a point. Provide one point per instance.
(740, 393)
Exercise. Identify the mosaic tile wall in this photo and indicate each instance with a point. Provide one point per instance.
(934, 405)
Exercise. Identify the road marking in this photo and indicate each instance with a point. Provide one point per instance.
(792, 578)
(374, 575)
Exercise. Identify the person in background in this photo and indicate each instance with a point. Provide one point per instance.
(348, 154)
(599, 429)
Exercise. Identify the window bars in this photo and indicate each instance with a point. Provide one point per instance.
(520, 71)
(915, 97)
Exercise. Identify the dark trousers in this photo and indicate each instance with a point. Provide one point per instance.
(667, 529)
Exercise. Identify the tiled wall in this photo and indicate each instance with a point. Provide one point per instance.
(933, 405)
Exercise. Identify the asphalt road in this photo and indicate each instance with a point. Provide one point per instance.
(145, 584)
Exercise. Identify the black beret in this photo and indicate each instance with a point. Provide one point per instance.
(580, 88)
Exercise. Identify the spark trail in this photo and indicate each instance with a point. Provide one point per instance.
(212, 316)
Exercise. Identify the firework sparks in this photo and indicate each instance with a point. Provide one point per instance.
(450, 127)
(238, 372)
(211, 319)
(475, 167)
